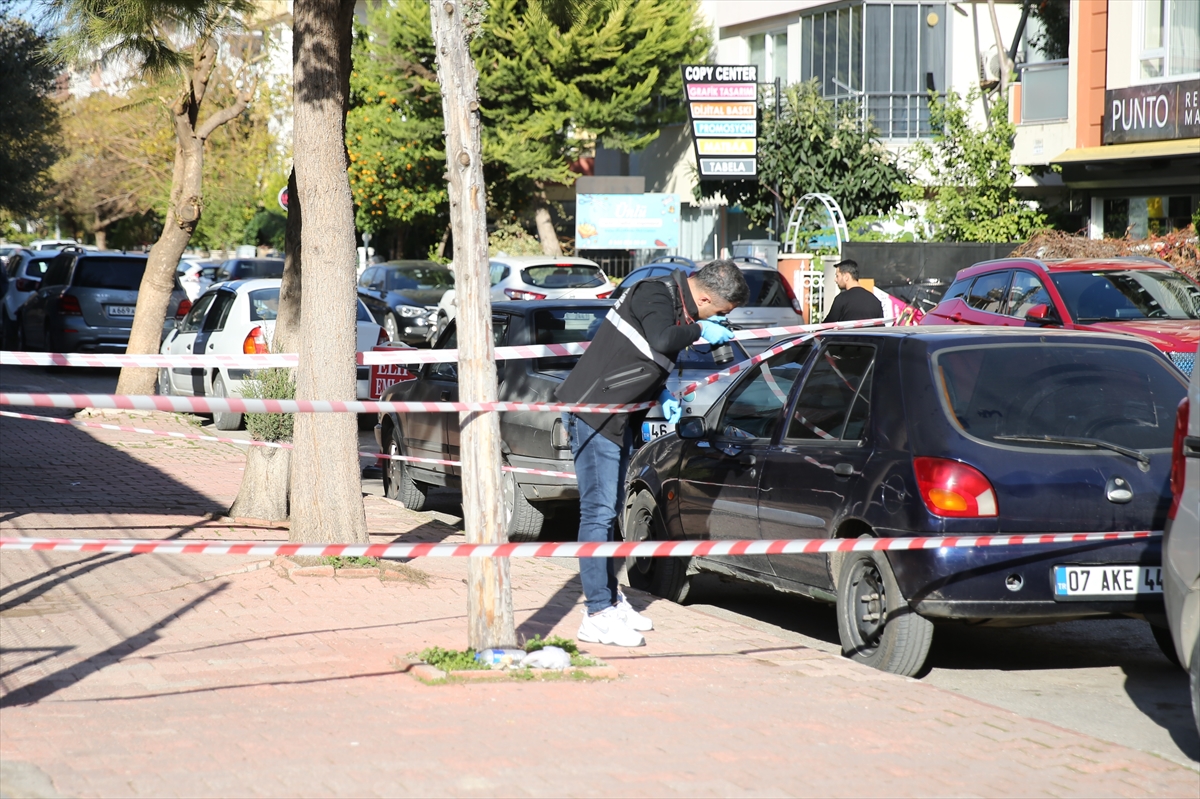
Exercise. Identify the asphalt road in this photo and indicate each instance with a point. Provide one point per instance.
(1106, 678)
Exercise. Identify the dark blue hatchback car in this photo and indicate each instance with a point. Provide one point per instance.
(925, 431)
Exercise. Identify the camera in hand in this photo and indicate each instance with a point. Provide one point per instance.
(722, 353)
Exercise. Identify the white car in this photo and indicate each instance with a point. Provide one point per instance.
(534, 277)
(232, 318)
(25, 270)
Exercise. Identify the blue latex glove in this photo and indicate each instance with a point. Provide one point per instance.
(671, 408)
(713, 333)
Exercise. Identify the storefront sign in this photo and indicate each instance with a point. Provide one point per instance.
(1152, 113)
(385, 375)
(723, 108)
(626, 221)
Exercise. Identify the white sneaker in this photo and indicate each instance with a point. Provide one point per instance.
(633, 619)
(608, 627)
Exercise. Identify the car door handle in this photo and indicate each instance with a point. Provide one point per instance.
(957, 317)
(844, 469)
(211, 345)
(188, 347)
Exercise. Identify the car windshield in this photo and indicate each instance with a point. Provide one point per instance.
(259, 268)
(1113, 295)
(563, 276)
(767, 289)
(1116, 394)
(110, 273)
(419, 278)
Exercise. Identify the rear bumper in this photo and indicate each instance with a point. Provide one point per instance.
(541, 487)
(73, 334)
(973, 583)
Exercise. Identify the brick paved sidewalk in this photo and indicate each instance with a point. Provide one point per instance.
(209, 676)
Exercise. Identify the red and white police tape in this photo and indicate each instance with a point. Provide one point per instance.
(252, 443)
(570, 549)
(398, 356)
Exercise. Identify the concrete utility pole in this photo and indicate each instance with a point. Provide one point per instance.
(489, 590)
(1001, 51)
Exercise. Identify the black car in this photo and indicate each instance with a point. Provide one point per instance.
(403, 297)
(911, 431)
(249, 268)
(530, 439)
(660, 268)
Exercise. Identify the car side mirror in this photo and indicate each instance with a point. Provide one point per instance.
(691, 428)
(1041, 314)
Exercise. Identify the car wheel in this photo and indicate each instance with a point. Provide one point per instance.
(875, 623)
(164, 383)
(522, 519)
(1166, 644)
(392, 328)
(397, 483)
(664, 577)
(224, 420)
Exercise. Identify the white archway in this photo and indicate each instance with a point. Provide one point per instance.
(796, 218)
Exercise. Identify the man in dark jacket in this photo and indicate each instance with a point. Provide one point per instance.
(853, 301)
(628, 362)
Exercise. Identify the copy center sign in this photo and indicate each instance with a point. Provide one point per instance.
(723, 109)
(384, 375)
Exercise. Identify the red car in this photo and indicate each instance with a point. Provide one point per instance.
(1143, 297)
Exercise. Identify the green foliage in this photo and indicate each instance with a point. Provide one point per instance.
(874, 228)
(1054, 40)
(554, 79)
(266, 227)
(813, 146)
(29, 121)
(275, 383)
(394, 126)
(511, 238)
(971, 184)
(537, 642)
(452, 659)
(354, 562)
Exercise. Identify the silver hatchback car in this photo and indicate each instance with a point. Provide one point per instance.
(540, 277)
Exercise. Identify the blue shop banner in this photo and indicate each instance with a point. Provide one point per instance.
(626, 221)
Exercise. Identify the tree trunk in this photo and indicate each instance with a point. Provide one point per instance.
(545, 225)
(288, 320)
(264, 491)
(489, 594)
(101, 239)
(326, 501)
(1001, 52)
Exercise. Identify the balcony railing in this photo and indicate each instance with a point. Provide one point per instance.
(1044, 88)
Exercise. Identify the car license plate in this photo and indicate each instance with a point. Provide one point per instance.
(652, 430)
(120, 310)
(1094, 581)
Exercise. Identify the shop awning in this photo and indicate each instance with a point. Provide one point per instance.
(1125, 152)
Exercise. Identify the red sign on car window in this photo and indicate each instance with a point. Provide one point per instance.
(387, 374)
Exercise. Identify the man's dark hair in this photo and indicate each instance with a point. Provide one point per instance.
(849, 267)
(724, 279)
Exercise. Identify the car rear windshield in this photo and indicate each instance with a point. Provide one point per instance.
(1114, 295)
(419, 278)
(264, 305)
(767, 289)
(563, 276)
(564, 326)
(258, 268)
(110, 273)
(1115, 394)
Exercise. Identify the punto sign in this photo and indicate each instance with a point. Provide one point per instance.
(1152, 113)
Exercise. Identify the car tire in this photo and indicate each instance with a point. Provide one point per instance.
(875, 623)
(224, 420)
(1166, 644)
(391, 326)
(397, 481)
(523, 520)
(164, 383)
(664, 577)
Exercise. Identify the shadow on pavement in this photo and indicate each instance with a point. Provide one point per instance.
(555, 610)
(69, 675)
(1162, 693)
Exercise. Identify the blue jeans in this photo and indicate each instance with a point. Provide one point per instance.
(600, 470)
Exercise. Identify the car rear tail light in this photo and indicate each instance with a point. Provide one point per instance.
(558, 436)
(518, 294)
(1178, 461)
(25, 284)
(383, 338)
(794, 299)
(185, 305)
(255, 343)
(605, 295)
(68, 305)
(952, 488)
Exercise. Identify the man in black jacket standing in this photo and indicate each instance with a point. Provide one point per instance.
(628, 362)
(853, 301)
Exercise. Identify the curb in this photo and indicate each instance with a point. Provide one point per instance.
(427, 673)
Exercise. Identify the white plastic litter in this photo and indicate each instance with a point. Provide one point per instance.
(550, 657)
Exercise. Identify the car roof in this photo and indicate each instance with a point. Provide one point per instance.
(542, 260)
(944, 335)
(415, 262)
(249, 284)
(523, 306)
(1066, 265)
(108, 255)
